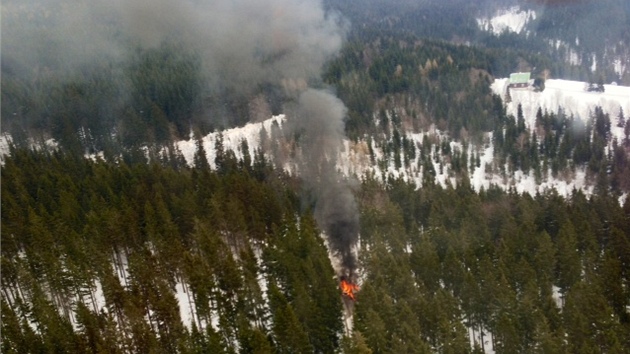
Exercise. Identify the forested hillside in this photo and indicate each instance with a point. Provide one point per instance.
(585, 40)
(95, 253)
(434, 82)
(92, 253)
(400, 90)
(151, 204)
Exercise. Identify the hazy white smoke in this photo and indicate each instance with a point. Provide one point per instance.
(242, 42)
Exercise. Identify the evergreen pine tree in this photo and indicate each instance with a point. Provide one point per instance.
(568, 267)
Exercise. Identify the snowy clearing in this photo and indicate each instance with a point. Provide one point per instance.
(513, 19)
(571, 96)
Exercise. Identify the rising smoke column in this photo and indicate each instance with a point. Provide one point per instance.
(242, 44)
(320, 116)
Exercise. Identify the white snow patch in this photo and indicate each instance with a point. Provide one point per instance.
(215, 319)
(98, 297)
(186, 304)
(476, 337)
(479, 178)
(569, 96)
(622, 199)
(557, 297)
(570, 54)
(573, 57)
(121, 267)
(5, 141)
(263, 282)
(232, 139)
(513, 19)
(620, 66)
(526, 183)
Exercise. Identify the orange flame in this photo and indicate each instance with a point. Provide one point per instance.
(348, 289)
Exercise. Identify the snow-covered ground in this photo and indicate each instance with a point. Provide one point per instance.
(557, 296)
(232, 139)
(481, 337)
(571, 96)
(513, 19)
(620, 66)
(186, 303)
(6, 140)
(354, 159)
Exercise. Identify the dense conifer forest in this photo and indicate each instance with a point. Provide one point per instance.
(69, 223)
(113, 242)
(396, 85)
(438, 266)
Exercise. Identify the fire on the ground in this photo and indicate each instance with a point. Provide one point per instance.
(348, 289)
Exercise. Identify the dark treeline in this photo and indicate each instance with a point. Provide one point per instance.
(445, 83)
(438, 266)
(150, 98)
(445, 20)
(425, 81)
(597, 31)
(431, 81)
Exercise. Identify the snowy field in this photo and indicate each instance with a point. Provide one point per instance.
(571, 96)
(513, 19)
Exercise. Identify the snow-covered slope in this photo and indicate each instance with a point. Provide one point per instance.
(513, 19)
(232, 139)
(354, 159)
(571, 96)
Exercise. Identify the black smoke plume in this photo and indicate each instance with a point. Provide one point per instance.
(321, 118)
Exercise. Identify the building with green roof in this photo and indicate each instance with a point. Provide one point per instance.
(519, 80)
